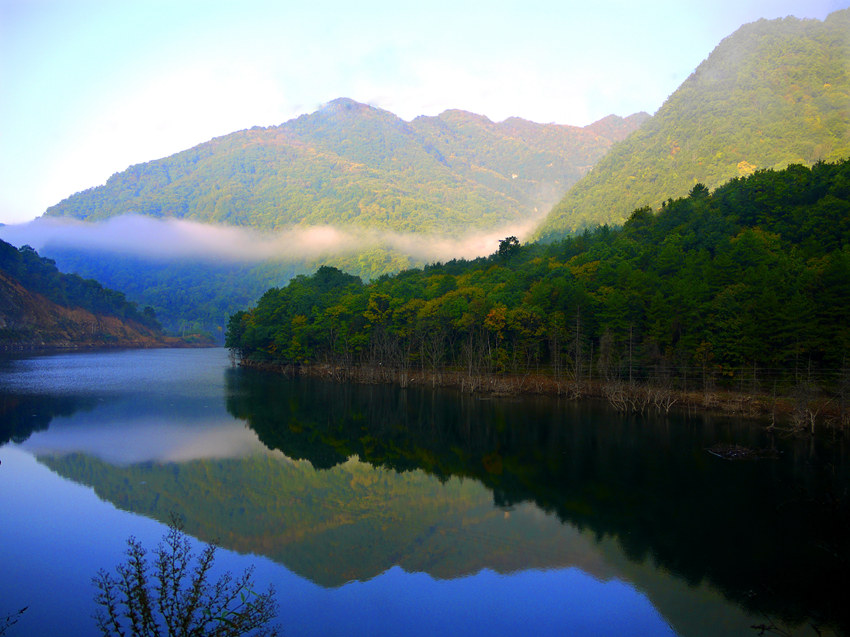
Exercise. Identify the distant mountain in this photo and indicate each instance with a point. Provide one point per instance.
(188, 296)
(347, 164)
(41, 307)
(353, 164)
(773, 93)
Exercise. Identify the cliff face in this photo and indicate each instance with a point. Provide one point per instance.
(30, 321)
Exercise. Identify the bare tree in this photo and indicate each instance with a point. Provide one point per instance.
(174, 595)
(10, 620)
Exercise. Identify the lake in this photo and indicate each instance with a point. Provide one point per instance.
(376, 510)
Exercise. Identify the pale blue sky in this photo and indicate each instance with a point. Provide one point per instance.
(89, 87)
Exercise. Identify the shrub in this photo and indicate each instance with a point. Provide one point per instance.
(173, 594)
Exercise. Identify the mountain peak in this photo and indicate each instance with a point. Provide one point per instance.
(771, 94)
(351, 163)
(457, 116)
(344, 104)
(616, 127)
(346, 108)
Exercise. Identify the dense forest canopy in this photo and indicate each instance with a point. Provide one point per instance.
(40, 275)
(773, 93)
(347, 164)
(748, 279)
(353, 164)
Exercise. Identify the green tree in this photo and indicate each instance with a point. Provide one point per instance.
(508, 247)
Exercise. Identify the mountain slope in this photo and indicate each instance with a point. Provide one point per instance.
(747, 282)
(40, 307)
(771, 94)
(353, 164)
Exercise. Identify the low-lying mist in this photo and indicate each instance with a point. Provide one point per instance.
(180, 239)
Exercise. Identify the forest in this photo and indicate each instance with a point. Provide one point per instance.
(774, 93)
(745, 286)
(350, 164)
(40, 275)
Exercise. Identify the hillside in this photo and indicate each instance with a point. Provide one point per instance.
(30, 320)
(772, 94)
(188, 296)
(353, 164)
(40, 307)
(748, 282)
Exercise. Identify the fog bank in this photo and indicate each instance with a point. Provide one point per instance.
(136, 235)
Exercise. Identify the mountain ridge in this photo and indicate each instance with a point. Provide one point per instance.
(773, 93)
(353, 164)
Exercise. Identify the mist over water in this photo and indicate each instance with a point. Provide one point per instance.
(178, 239)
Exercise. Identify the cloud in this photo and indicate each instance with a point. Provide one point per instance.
(176, 239)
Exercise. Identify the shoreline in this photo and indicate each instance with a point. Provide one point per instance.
(795, 414)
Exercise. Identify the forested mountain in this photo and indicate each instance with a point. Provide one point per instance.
(348, 164)
(749, 281)
(771, 94)
(353, 164)
(197, 295)
(194, 296)
(40, 306)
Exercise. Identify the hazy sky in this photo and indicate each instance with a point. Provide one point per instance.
(89, 87)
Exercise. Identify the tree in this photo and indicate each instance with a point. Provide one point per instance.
(508, 247)
(174, 597)
(699, 191)
(10, 620)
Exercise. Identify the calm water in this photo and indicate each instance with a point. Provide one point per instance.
(380, 511)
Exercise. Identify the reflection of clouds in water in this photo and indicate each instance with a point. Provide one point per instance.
(133, 406)
(147, 441)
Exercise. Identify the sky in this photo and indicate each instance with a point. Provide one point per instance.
(91, 87)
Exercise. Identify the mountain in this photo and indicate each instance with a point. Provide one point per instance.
(41, 307)
(744, 284)
(353, 164)
(347, 164)
(773, 93)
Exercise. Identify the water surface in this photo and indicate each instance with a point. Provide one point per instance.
(381, 511)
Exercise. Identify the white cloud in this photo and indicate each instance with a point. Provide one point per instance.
(173, 238)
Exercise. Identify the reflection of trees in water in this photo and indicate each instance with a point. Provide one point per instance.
(351, 522)
(771, 534)
(21, 415)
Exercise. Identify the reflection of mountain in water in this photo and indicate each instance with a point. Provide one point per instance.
(431, 464)
(771, 534)
(351, 522)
